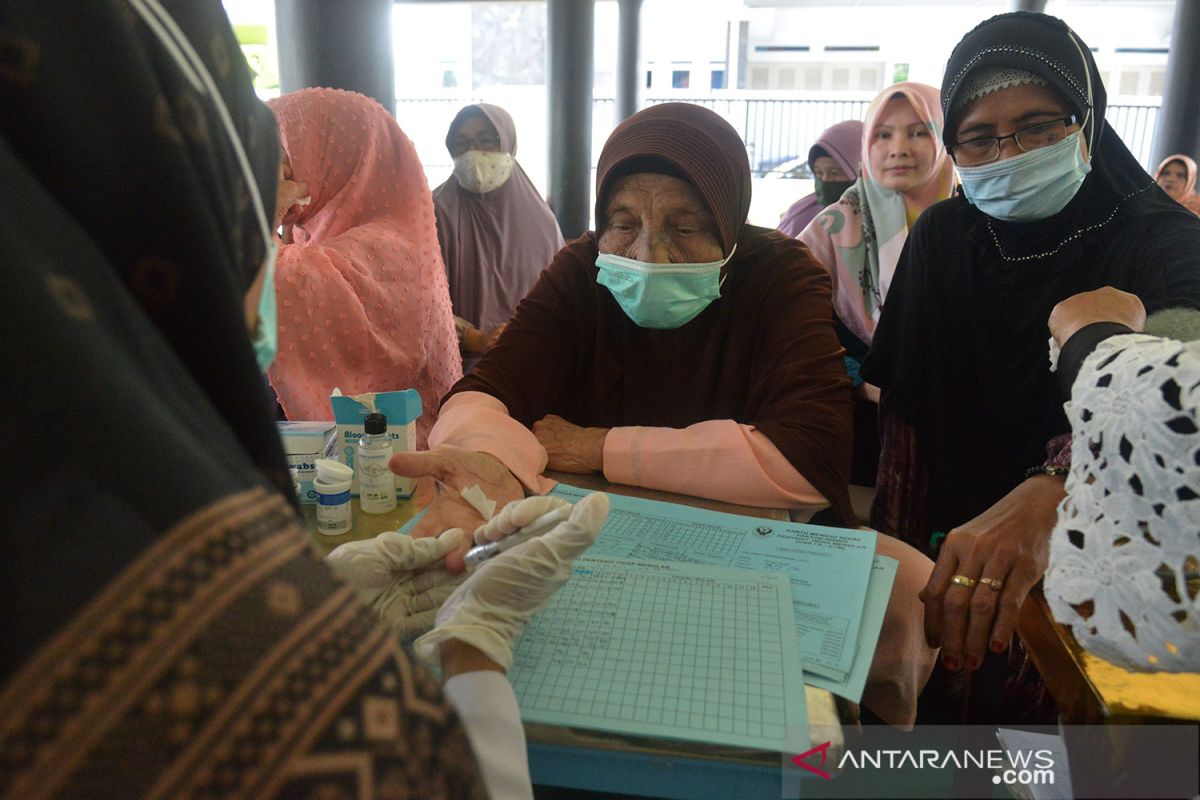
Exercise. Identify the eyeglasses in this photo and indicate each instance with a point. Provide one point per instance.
(986, 149)
(482, 141)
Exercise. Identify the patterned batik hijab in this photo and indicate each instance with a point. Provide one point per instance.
(173, 634)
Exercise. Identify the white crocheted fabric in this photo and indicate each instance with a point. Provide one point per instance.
(990, 79)
(1128, 534)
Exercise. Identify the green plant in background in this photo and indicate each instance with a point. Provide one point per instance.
(900, 73)
(259, 52)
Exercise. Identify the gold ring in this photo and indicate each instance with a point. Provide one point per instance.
(963, 581)
(995, 583)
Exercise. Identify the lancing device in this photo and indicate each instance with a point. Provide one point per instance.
(544, 524)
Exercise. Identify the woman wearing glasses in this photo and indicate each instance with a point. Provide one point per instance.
(1052, 204)
(496, 231)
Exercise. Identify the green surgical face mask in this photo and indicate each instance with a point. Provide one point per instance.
(661, 295)
(829, 192)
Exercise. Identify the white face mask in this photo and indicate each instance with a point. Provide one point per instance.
(481, 171)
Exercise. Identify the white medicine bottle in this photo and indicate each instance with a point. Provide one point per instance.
(376, 483)
(333, 497)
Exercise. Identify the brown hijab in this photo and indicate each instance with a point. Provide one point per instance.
(689, 142)
(495, 245)
(763, 354)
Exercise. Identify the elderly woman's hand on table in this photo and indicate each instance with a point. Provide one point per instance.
(985, 570)
(456, 469)
(570, 448)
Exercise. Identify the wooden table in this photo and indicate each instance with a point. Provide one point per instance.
(605, 762)
(1090, 690)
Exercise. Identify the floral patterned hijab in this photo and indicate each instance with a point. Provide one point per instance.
(860, 237)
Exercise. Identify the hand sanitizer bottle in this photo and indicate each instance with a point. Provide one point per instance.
(376, 483)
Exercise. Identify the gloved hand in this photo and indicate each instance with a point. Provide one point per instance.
(401, 578)
(516, 515)
(491, 608)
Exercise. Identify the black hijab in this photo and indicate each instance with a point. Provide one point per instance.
(961, 348)
(201, 161)
(170, 630)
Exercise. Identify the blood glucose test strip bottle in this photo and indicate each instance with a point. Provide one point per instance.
(333, 497)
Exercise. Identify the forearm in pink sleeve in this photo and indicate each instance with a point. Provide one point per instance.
(477, 421)
(718, 459)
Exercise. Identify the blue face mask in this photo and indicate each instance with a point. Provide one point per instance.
(661, 295)
(1028, 187)
(266, 336)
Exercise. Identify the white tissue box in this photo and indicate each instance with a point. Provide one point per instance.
(303, 444)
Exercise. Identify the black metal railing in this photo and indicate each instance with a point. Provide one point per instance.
(774, 129)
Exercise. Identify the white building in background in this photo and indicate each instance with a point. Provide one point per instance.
(731, 53)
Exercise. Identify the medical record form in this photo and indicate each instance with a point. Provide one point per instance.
(829, 569)
(666, 650)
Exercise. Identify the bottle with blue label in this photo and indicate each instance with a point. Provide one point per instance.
(333, 497)
(376, 483)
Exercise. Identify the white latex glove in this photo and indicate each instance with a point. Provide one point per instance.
(400, 577)
(491, 608)
(516, 515)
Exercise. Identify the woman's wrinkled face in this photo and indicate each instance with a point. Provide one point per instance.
(1173, 178)
(902, 150)
(826, 169)
(659, 219)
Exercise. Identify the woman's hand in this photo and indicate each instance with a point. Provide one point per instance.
(1101, 305)
(477, 342)
(401, 578)
(570, 448)
(1008, 543)
(289, 194)
(491, 608)
(455, 469)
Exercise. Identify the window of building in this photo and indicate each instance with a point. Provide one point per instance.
(681, 79)
(649, 77)
(868, 79)
(787, 78)
(812, 78)
(1158, 80)
(759, 78)
(1129, 82)
(841, 79)
(718, 79)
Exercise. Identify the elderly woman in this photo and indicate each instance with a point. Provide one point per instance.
(363, 302)
(1176, 176)
(833, 160)
(496, 232)
(678, 349)
(1053, 204)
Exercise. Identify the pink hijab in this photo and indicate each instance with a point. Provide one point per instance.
(1186, 196)
(859, 238)
(362, 297)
